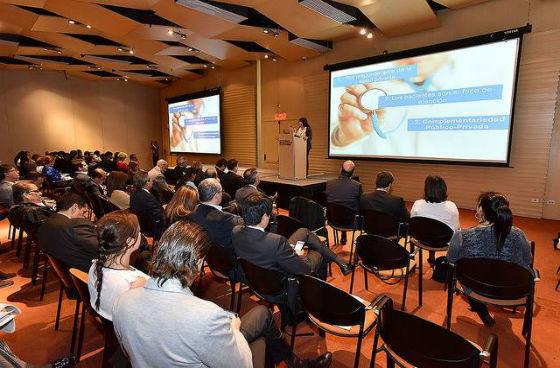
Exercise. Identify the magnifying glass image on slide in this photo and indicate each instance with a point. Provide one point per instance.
(369, 103)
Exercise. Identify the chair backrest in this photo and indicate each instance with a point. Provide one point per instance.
(422, 343)
(62, 272)
(263, 281)
(431, 232)
(95, 204)
(309, 212)
(287, 225)
(494, 278)
(379, 253)
(379, 223)
(340, 216)
(330, 304)
(80, 282)
(219, 260)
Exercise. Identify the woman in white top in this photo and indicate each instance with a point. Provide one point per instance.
(435, 205)
(111, 275)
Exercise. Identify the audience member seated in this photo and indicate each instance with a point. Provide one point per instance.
(111, 274)
(133, 169)
(344, 191)
(196, 168)
(493, 237)
(181, 205)
(221, 166)
(121, 164)
(188, 180)
(69, 235)
(158, 170)
(51, 174)
(163, 323)
(231, 181)
(212, 173)
(181, 168)
(9, 174)
(435, 205)
(383, 201)
(132, 157)
(93, 162)
(252, 179)
(273, 251)
(107, 161)
(145, 205)
(35, 178)
(116, 189)
(21, 158)
(26, 193)
(94, 185)
(208, 214)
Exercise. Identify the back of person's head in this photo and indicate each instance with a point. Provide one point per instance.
(162, 164)
(5, 169)
(48, 160)
(221, 163)
(98, 174)
(197, 165)
(140, 180)
(133, 157)
(68, 199)
(181, 249)
(251, 176)
(303, 122)
(35, 177)
(108, 155)
(79, 165)
(182, 161)
(133, 166)
(211, 173)
(384, 179)
(435, 189)
(347, 169)
(182, 204)
(232, 164)
(21, 189)
(208, 188)
(495, 209)
(254, 207)
(122, 156)
(116, 181)
(117, 232)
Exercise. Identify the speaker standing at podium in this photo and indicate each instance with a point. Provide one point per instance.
(304, 131)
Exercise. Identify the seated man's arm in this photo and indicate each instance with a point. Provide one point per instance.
(289, 261)
(85, 236)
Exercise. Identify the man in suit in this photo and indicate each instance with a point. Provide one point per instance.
(144, 205)
(190, 330)
(383, 201)
(221, 165)
(181, 168)
(231, 181)
(9, 174)
(344, 190)
(68, 236)
(273, 251)
(212, 173)
(94, 184)
(252, 179)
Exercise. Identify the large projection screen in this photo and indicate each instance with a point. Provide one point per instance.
(195, 123)
(449, 106)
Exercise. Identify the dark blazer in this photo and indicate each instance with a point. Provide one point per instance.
(148, 209)
(344, 191)
(382, 201)
(269, 250)
(83, 183)
(218, 224)
(244, 192)
(72, 241)
(231, 182)
(220, 173)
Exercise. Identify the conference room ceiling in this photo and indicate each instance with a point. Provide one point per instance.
(156, 41)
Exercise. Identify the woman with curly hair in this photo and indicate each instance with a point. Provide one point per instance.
(111, 274)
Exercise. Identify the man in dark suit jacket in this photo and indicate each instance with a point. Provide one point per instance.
(273, 251)
(383, 201)
(68, 236)
(344, 190)
(231, 181)
(144, 205)
(252, 179)
(221, 165)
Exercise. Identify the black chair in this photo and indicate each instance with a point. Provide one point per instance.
(66, 286)
(427, 234)
(111, 346)
(95, 204)
(496, 282)
(409, 340)
(107, 205)
(310, 213)
(342, 218)
(223, 266)
(287, 225)
(382, 224)
(335, 311)
(382, 257)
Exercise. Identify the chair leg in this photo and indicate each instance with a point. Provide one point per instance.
(27, 252)
(19, 242)
(81, 334)
(44, 278)
(239, 297)
(329, 247)
(365, 278)
(352, 279)
(9, 231)
(13, 237)
(57, 321)
(35, 267)
(403, 307)
(528, 328)
(75, 327)
(352, 250)
(450, 291)
(390, 362)
(420, 274)
(293, 337)
(557, 285)
(359, 348)
(232, 300)
(374, 349)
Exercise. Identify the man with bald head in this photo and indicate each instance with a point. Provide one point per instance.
(344, 190)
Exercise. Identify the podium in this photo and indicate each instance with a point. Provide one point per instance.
(292, 157)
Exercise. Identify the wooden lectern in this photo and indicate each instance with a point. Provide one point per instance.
(292, 157)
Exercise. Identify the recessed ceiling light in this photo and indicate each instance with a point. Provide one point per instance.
(131, 51)
(273, 58)
(71, 21)
(205, 65)
(266, 56)
(363, 31)
(88, 26)
(369, 35)
(170, 32)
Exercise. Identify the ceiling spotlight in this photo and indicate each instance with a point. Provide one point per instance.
(212, 67)
(131, 51)
(363, 31)
(304, 58)
(88, 26)
(70, 21)
(271, 31)
(96, 67)
(266, 30)
(120, 49)
(151, 66)
(273, 58)
(170, 32)
(266, 56)
(369, 35)
(205, 65)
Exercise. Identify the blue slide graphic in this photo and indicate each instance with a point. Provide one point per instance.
(469, 94)
(403, 72)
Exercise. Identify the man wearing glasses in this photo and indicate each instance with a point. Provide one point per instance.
(8, 176)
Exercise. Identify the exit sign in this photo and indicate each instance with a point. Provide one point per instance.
(279, 116)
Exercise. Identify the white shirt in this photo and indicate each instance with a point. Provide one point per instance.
(115, 282)
(445, 212)
(256, 228)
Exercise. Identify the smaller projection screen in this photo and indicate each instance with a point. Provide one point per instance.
(195, 123)
(448, 103)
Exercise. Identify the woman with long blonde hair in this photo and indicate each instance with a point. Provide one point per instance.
(181, 205)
